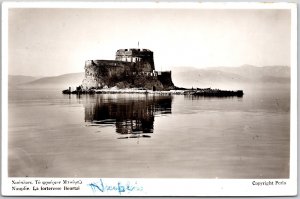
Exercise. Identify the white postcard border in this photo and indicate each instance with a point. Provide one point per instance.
(151, 186)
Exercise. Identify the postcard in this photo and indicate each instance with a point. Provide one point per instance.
(149, 99)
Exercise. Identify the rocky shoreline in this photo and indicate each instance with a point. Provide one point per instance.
(204, 92)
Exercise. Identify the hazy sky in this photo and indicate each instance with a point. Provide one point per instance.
(46, 42)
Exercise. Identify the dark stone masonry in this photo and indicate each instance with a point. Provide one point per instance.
(132, 68)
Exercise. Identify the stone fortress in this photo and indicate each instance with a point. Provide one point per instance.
(132, 68)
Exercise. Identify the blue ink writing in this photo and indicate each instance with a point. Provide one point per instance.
(118, 187)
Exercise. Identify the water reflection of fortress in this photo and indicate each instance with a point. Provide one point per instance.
(134, 116)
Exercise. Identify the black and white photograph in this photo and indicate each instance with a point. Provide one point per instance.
(123, 93)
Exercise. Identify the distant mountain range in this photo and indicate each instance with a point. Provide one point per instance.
(220, 77)
(215, 77)
(16, 80)
(61, 81)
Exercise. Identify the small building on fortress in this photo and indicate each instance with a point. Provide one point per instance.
(132, 68)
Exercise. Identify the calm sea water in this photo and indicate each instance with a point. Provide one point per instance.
(121, 135)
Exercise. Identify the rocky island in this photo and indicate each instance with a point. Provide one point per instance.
(133, 71)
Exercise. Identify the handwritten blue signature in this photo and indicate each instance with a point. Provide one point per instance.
(117, 187)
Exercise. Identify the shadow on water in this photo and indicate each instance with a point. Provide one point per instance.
(133, 116)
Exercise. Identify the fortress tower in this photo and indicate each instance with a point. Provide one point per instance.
(142, 57)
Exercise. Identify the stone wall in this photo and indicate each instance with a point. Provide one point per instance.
(165, 78)
(101, 73)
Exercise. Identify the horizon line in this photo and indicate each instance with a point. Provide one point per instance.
(194, 67)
